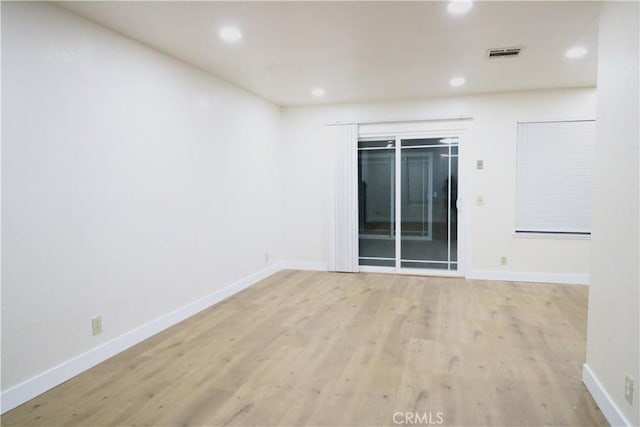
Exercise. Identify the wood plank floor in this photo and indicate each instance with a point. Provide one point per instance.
(330, 349)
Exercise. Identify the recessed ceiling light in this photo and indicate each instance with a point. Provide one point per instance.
(576, 52)
(230, 34)
(318, 92)
(457, 81)
(459, 6)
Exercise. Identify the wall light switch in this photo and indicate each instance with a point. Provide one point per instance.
(480, 200)
(479, 164)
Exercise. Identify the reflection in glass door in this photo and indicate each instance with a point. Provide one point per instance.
(420, 201)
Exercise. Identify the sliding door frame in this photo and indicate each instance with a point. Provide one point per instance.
(460, 129)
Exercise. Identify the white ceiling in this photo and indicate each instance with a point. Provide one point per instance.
(366, 51)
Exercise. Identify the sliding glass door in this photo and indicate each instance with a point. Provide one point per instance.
(409, 185)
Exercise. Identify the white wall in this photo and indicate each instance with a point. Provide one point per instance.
(614, 321)
(131, 186)
(309, 164)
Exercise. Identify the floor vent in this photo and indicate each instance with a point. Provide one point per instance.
(505, 52)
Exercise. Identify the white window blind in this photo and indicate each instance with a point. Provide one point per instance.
(554, 177)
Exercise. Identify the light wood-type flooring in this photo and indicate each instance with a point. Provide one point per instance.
(331, 349)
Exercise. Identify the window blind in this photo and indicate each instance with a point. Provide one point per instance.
(554, 177)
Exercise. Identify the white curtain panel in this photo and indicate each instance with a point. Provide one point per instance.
(346, 214)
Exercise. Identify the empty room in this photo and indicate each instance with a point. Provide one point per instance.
(320, 213)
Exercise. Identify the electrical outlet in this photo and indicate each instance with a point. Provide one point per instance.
(503, 260)
(96, 325)
(480, 200)
(266, 257)
(628, 389)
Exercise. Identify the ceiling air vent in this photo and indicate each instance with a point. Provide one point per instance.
(505, 52)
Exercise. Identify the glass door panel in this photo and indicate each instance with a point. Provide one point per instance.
(376, 203)
(428, 203)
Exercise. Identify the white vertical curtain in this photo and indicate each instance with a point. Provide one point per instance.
(346, 213)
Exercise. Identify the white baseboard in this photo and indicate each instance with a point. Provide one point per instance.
(37, 385)
(304, 265)
(517, 276)
(609, 409)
